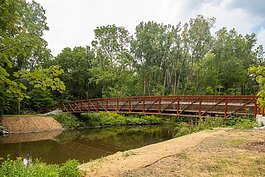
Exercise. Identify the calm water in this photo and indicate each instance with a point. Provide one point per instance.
(83, 145)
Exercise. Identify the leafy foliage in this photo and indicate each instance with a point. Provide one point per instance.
(22, 53)
(10, 168)
(105, 119)
(68, 120)
(184, 128)
(259, 75)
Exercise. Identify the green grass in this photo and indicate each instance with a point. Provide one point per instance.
(236, 141)
(16, 168)
(128, 153)
(184, 128)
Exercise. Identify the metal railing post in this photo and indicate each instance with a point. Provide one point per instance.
(200, 106)
(97, 105)
(117, 104)
(159, 104)
(130, 104)
(225, 108)
(143, 99)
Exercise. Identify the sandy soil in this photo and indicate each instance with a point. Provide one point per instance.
(28, 124)
(223, 152)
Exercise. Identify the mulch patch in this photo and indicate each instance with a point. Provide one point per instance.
(255, 146)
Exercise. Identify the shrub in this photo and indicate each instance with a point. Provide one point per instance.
(184, 128)
(68, 120)
(113, 118)
(11, 168)
(70, 169)
(241, 122)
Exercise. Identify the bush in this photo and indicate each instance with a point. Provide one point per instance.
(68, 120)
(241, 122)
(11, 168)
(70, 169)
(184, 128)
(112, 118)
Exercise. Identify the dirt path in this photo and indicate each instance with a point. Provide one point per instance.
(128, 162)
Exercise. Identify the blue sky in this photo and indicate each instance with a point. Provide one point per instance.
(72, 22)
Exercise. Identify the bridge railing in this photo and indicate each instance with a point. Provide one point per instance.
(192, 106)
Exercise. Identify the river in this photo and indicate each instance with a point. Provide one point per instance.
(82, 145)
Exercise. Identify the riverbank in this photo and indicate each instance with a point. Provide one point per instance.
(218, 152)
(29, 124)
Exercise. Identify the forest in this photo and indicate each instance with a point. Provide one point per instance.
(192, 58)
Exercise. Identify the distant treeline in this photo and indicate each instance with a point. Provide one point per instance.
(158, 59)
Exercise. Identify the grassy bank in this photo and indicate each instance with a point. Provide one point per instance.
(11, 168)
(183, 126)
(195, 125)
(105, 119)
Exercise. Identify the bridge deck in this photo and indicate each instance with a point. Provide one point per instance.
(191, 106)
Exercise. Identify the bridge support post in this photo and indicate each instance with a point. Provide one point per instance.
(130, 102)
(178, 106)
(200, 107)
(117, 104)
(143, 99)
(159, 105)
(225, 111)
(107, 107)
(97, 105)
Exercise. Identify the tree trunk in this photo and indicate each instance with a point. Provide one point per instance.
(175, 82)
(18, 107)
(165, 82)
(145, 81)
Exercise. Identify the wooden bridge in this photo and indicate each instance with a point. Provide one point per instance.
(191, 106)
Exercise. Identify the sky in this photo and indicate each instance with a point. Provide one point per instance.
(72, 22)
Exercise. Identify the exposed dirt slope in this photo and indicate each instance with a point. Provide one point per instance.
(121, 163)
(230, 154)
(27, 124)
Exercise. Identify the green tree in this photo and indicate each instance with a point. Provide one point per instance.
(112, 69)
(197, 42)
(151, 47)
(22, 48)
(75, 63)
(258, 73)
(233, 55)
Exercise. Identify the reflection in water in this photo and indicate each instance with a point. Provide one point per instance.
(84, 145)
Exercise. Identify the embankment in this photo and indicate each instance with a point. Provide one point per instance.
(219, 152)
(30, 124)
(120, 163)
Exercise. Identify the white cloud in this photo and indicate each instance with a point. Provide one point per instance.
(72, 22)
(230, 18)
(261, 37)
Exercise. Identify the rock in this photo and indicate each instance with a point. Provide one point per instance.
(262, 128)
(260, 119)
(3, 130)
(259, 128)
(54, 112)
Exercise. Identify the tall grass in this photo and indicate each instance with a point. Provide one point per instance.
(183, 128)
